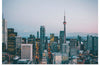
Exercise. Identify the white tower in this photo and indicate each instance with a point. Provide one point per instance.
(4, 31)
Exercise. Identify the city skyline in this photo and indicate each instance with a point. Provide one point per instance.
(50, 32)
(36, 14)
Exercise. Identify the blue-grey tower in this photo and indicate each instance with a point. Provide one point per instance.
(42, 37)
(64, 28)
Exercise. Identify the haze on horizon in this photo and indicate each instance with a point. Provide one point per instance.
(26, 16)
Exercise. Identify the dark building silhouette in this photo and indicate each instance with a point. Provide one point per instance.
(56, 39)
(31, 40)
(61, 39)
(42, 37)
(11, 41)
(37, 34)
(23, 40)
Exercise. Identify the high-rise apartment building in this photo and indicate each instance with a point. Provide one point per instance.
(95, 45)
(26, 51)
(61, 39)
(11, 41)
(31, 40)
(18, 45)
(4, 32)
(79, 42)
(18, 41)
(90, 43)
(42, 38)
(73, 47)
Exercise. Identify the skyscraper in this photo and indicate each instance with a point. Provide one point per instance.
(18, 41)
(31, 40)
(42, 39)
(95, 45)
(11, 41)
(90, 43)
(4, 32)
(73, 47)
(61, 39)
(79, 42)
(18, 45)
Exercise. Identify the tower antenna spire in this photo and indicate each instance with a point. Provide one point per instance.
(64, 28)
(64, 15)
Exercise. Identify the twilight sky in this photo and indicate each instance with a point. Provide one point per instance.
(26, 16)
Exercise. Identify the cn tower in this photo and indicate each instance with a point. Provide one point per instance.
(64, 28)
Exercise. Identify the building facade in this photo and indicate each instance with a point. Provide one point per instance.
(18, 45)
(57, 58)
(4, 33)
(95, 45)
(23, 40)
(42, 38)
(18, 41)
(90, 43)
(73, 47)
(11, 41)
(27, 51)
(61, 39)
(31, 40)
(56, 39)
(65, 52)
(51, 41)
